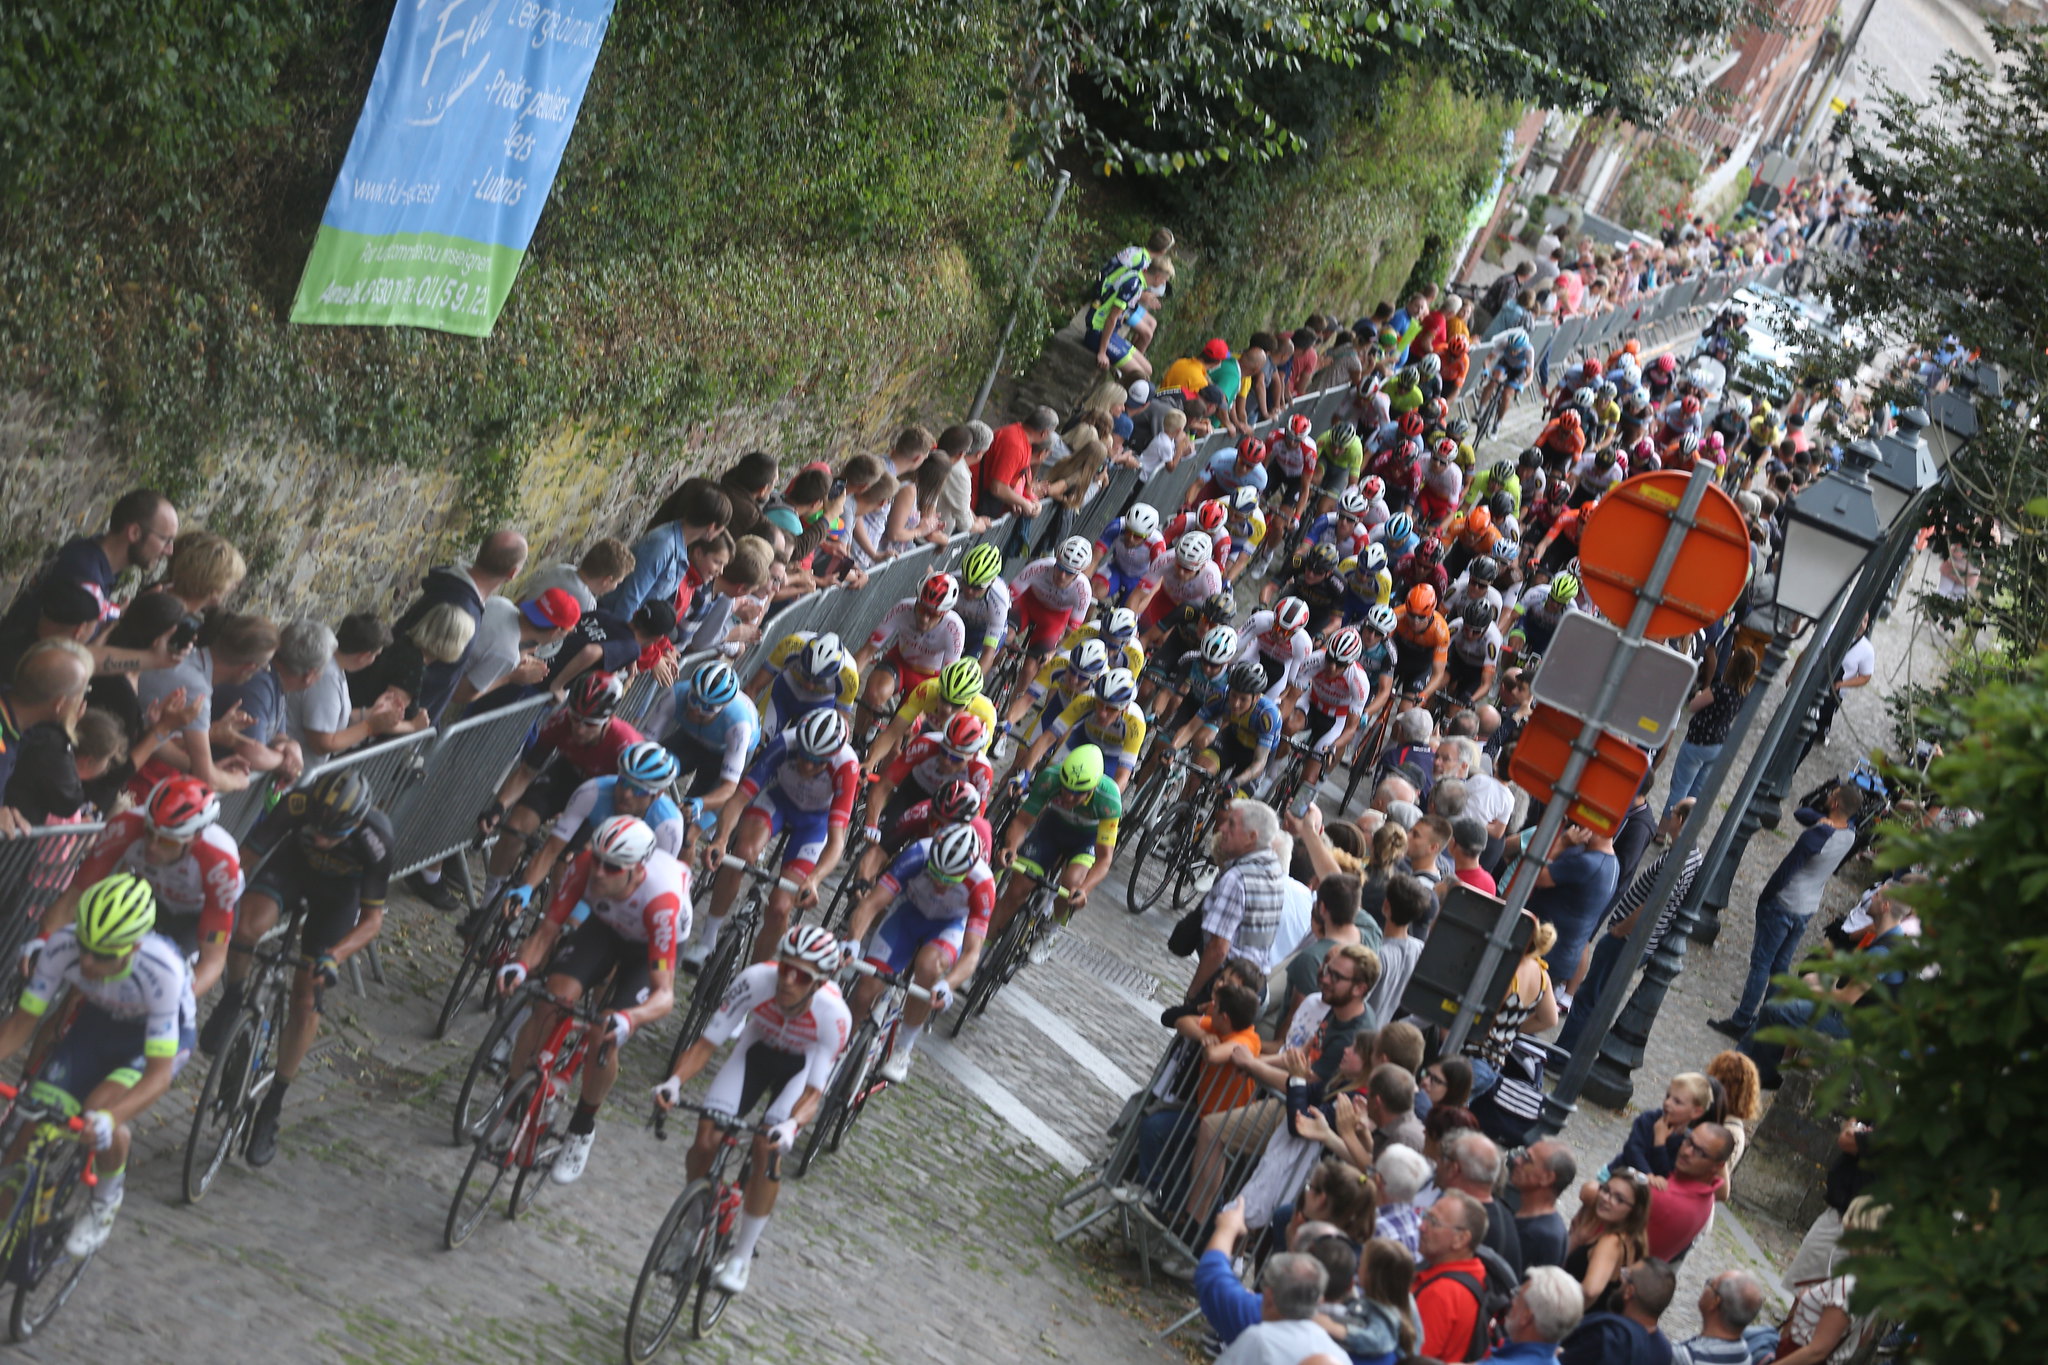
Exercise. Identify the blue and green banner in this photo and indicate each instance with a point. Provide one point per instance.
(457, 147)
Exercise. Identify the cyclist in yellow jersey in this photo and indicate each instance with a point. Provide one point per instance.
(1061, 679)
(933, 702)
(1118, 631)
(806, 670)
(1107, 716)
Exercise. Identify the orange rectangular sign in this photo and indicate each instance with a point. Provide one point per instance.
(1606, 789)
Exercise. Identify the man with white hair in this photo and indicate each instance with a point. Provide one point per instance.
(1729, 1303)
(1486, 797)
(1400, 1173)
(1290, 1290)
(1470, 1163)
(1241, 914)
(1543, 1313)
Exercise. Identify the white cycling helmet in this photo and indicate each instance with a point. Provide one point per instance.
(1244, 499)
(822, 659)
(1380, 617)
(1194, 549)
(954, 852)
(1116, 687)
(1354, 502)
(1291, 614)
(1344, 647)
(813, 946)
(1220, 645)
(1121, 625)
(1141, 521)
(1431, 366)
(1076, 554)
(1090, 659)
(822, 733)
(622, 841)
(1375, 557)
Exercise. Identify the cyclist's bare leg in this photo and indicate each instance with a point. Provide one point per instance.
(704, 1147)
(113, 1157)
(774, 922)
(300, 1026)
(519, 822)
(543, 1018)
(253, 919)
(931, 964)
(747, 842)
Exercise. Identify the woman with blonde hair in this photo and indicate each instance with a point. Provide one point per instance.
(204, 570)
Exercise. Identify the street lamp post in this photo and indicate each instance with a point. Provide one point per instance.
(1832, 529)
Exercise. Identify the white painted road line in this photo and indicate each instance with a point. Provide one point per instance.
(1091, 1059)
(1004, 1104)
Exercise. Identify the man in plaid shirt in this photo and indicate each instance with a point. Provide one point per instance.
(1241, 913)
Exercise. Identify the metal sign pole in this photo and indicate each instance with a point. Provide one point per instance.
(1566, 789)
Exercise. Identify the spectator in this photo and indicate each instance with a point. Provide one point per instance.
(1399, 1173)
(1427, 862)
(1291, 1290)
(603, 642)
(1609, 1231)
(1628, 1335)
(1621, 922)
(1241, 912)
(1573, 888)
(604, 566)
(1887, 914)
(1380, 1323)
(312, 673)
(1681, 1205)
(1452, 1232)
(509, 637)
(99, 750)
(140, 531)
(1192, 372)
(499, 560)
(748, 484)
(229, 652)
(1503, 289)
(1787, 904)
(1822, 1328)
(1544, 1311)
(1741, 1099)
(146, 629)
(694, 511)
(247, 699)
(707, 560)
(1519, 311)
(1471, 1165)
(204, 571)
(1468, 846)
(1729, 1303)
(1447, 1080)
(1846, 1180)
(1654, 1137)
(711, 621)
(440, 635)
(956, 494)
(1390, 1107)
(1003, 479)
(1330, 926)
(1541, 1173)
(1713, 710)
(38, 776)
(1218, 1087)
(64, 610)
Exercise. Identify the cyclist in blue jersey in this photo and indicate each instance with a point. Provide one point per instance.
(1238, 730)
(1513, 357)
(1397, 537)
(805, 671)
(714, 730)
(1124, 551)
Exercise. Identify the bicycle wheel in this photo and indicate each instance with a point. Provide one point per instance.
(833, 1114)
(668, 1274)
(735, 940)
(991, 972)
(478, 959)
(223, 1112)
(860, 1090)
(494, 1152)
(480, 1086)
(46, 1276)
(1159, 849)
(1002, 808)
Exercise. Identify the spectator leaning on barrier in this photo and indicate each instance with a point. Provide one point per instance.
(603, 568)
(310, 671)
(498, 561)
(140, 531)
(696, 510)
(38, 779)
(1002, 481)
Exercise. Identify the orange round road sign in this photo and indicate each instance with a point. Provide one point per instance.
(1620, 543)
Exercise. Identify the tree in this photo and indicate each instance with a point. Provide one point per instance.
(1948, 1069)
(1959, 184)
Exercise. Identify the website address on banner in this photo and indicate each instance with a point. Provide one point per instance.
(398, 193)
(439, 292)
(425, 253)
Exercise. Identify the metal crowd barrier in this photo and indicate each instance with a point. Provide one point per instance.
(437, 816)
(35, 868)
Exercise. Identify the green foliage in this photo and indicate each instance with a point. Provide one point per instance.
(1658, 186)
(1963, 260)
(1949, 1069)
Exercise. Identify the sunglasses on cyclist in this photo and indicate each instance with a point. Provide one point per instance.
(796, 971)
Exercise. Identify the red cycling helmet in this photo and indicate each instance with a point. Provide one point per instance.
(1210, 515)
(938, 592)
(1298, 425)
(1411, 424)
(1570, 418)
(1689, 405)
(958, 800)
(180, 807)
(1431, 549)
(1251, 452)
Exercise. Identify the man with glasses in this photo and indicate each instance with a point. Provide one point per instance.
(1451, 1281)
(1539, 1174)
(139, 535)
(631, 901)
(791, 1024)
(1681, 1204)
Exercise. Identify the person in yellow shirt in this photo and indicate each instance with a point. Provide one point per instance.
(1191, 372)
(1106, 716)
(934, 701)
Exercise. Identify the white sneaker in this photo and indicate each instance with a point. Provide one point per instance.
(732, 1275)
(1041, 951)
(574, 1156)
(896, 1070)
(90, 1232)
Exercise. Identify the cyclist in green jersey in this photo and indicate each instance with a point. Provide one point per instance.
(1080, 806)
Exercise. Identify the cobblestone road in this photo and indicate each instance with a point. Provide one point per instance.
(926, 1238)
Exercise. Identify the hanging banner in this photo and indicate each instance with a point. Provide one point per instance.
(457, 147)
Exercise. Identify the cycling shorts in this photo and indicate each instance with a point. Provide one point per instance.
(551, 789)
(904, 932)
(333, 905)
(752, 1072)
(98, 1047)
(593, 951)
(703, 769)
(785, 707)
(1322, 729)
(1116, 585)
(1042, 626)
(1053, 843)
(908, 679)
(808, 831)
(1335, 478)
(910, 793)
(1119, 346)
(1232, 755)
(1274, 669)
(1288, 487)
(1462, 677)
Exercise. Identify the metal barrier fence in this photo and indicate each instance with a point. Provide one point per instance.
(437, 817)
(34, 871)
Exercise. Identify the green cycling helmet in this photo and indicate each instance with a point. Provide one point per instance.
(983, 566)
(960, 682)
(116, 914)
(1564, 588)
(1081, 770)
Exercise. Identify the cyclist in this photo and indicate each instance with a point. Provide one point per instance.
(928, 764)
(1404, 391)
(1560, 544)
(1457, 364)
(1474, 587)
(1442, 482)
(936, 701)
(1348, 528)
(1764, 433)
(1508, 373)
(1470, 535)
(1425, 565)
(1184, 630)
(939, 894)
(1246, 525)
(1123, 552)
(626, 905)
(1052, 595)
(919, 636)
(1312, 577)
(791, 1024)
(1399, 467)
(1195, 676)
(1536, 615)
(1188, 575)
(173, 842)
(1107, 717)
(1067, 820)
(959, 802)
(1238, 728)
(1276, 641)
(807, 669)
(1398, 537)
(1562, 440)
(1057, 684)
(1230, 470)
(714, 730)
(1474, 655)
(639, 789)
(1595, 474)
(1341, 695)
(1422, 643)
(803, 780)
(1606, 412)
(328, 848)
(1658, 378)
(581, 740)
(1293, 456)
(1118, 631)
(984, 605)
(1206, 517)
(1343, 459)
(1367, 584)
(129, 1038)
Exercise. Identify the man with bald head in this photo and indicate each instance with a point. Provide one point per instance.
(37, 775)
(1729, 1303)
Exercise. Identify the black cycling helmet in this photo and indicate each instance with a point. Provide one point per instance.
(1248, 677)
(337, 803)
(1486, 570)
(1479, 616)
(1501, 505)
(1532, 458)
(1458, 429)
(1220, 609)
(1321, 559)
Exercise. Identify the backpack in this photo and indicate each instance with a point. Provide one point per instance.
(1494, 1296)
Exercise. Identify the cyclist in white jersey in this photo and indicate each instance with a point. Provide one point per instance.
(1341, 694)
(134, 1029)
(919, 636)
(791, 1024)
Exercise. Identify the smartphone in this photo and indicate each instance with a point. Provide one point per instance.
(184, 633)
(1303, 799)
(838, 487)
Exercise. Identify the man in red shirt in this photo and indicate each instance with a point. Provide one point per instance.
(1450, 1236)
(1681, 1205)
(1002, 481)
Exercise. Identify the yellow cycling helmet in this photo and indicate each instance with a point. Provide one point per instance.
(960, 682)
(115, 914)
(1081, 770)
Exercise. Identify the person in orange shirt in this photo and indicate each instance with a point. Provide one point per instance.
(1166, 1137)
(1457, 363)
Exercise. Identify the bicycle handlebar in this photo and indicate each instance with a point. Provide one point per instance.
(34, 1111)
(759, 873)
(889, 978)
(1046, 880)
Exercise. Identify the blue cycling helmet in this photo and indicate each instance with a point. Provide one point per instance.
(648, 766)
(713, 685)
(1400, 526)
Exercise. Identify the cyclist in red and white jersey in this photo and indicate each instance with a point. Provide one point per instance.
(626, 905)
(1341, 694)
(919, 636)
(172, 842)
(959, 802)
(1277, 641)
(791, 1024)
(1188, 575)
(1292, 453)
(916, 774)
(582, 740)
(1212, 519)
(1052, 595)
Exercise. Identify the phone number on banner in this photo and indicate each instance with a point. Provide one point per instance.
(439, 292)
